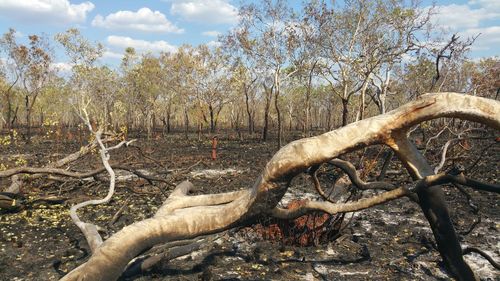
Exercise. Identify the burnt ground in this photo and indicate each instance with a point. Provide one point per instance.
(388, 242)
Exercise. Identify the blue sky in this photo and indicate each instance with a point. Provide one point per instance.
(154, 25)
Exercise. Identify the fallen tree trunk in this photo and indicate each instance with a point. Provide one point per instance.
(184, 217)
(17, 182)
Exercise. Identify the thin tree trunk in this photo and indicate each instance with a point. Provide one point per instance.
(109, 117)
(212, 123)
(382, 93)
(28, 120)
(385, 165)
(153, 122)
(216, 118)
(42, 117)
(382, 104)
(128, 119)
(278, 114)
(237, 126)
(249, 112)
(200, 124)
(277, 108)
(169, 116)
(186, 123)
(308, 101)
(11, 119)
(169, 124)
(345, 112)
(433, 204)
(164, 122)
(268, 93)
(363, 100)
(148, 125)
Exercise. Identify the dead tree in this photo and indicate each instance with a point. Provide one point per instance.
(185, 217)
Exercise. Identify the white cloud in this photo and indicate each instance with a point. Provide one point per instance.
(488, 39)
(471, 19)
(112, 55)
(211, 33)
(214, 44)
(141, 45)
(487, 4)
(408, 58)
(19, 34)
(206, 11)
(143, 20)
(456, 17)
(46, 11)
(61, 67)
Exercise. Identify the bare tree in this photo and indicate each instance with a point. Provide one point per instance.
(183, 217)
(453, 51)
(360, 38)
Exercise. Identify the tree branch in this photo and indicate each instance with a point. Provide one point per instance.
(350, 170)
(334, 208)
(469, 250)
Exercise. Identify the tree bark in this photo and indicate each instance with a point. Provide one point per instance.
(278, 114)
(269, 94)
(249, 112)
(28, 119)
(212, 122)
(363, 99)
(345, 112)
(308, 101)
(186, 123)
(169, 116)
(277, 108)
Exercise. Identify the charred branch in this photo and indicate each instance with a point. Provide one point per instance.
(469, 250)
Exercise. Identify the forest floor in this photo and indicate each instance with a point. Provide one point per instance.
(388, 242)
